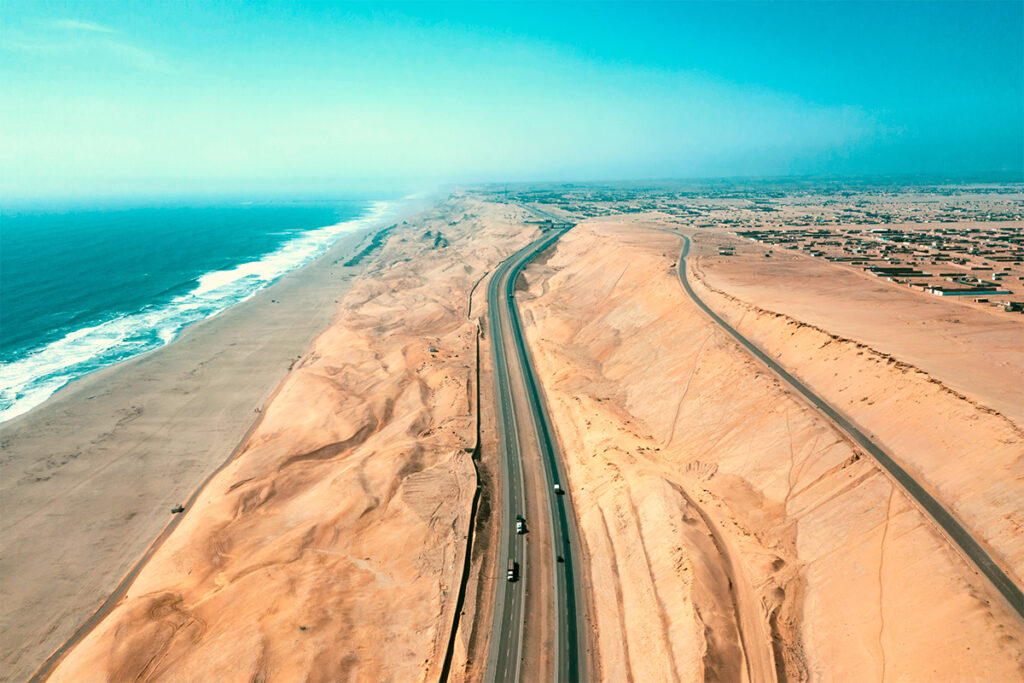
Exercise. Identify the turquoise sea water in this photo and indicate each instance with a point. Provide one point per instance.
(84, 288)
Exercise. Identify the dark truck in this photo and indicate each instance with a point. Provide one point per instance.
(513, 570)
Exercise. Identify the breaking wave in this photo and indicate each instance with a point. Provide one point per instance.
(32, 377)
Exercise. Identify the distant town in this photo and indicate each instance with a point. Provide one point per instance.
(963, 241)
(971, 260)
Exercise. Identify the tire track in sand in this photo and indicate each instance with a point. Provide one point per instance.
(755, 643)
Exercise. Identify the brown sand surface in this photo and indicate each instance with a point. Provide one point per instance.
(90, 477)
(734, 534)
(970, 455)
(331, 548)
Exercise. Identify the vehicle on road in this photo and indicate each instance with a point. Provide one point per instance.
(520, 524)
(176, 510)
(513, 570)
(558, 489)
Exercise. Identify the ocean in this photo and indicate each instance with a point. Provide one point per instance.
(85, 288)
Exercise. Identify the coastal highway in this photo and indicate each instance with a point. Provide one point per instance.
(547, 587)
(949, 524)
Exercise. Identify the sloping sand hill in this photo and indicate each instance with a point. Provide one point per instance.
(732, 533)
(331, 548)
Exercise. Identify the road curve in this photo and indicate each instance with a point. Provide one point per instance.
(949, 524)
(507, 641)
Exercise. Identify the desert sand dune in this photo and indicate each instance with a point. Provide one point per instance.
(331, 548)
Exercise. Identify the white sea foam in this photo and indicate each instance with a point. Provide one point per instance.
(33, 377)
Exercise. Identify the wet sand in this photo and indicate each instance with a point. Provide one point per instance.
(91, 475)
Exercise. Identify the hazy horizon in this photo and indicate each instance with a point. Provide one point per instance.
(105, 99)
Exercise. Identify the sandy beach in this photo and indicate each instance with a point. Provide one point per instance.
(90, 476)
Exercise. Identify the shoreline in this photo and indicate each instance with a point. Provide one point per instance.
(92, 473)
(372, 216)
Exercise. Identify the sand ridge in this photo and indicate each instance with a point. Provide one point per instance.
(972, 350)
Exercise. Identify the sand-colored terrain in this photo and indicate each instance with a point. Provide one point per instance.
(974, 350)
(940, 385)
(732, 533)
(90, 477)
(332, 547)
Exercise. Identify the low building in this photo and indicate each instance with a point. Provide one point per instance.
(966, 291)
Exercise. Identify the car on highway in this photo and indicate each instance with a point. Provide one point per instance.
(513, 570)
(558, 489)
(520, 524)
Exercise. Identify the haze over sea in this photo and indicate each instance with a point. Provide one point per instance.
(84, 288)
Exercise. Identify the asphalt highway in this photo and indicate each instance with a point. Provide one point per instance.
(506, 642)
(949, 524)
(505, 662)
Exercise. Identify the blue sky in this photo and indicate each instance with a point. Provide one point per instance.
(109, 97)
